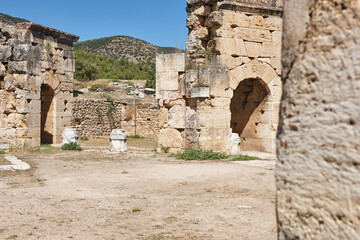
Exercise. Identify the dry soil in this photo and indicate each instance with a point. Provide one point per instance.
(96, 194)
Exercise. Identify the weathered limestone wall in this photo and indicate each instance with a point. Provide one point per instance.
(96, 118)
(232, 79)
(318, 174)
(36, 64)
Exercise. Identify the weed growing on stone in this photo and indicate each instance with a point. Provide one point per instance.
(2, 152)
(191, 154)
(73, 146)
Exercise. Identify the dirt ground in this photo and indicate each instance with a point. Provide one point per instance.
(96, 194)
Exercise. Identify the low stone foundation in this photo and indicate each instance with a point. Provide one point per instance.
(96, 118)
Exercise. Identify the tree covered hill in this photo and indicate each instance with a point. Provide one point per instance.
(7, 19)
(124, 47)
(90, 66)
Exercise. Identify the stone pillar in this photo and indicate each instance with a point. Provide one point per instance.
(118, 140)
(235, 144)
(318, 173)
(70, 135)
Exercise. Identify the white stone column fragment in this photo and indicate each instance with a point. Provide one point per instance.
(235, 144)
(118, 140)
(70, 135)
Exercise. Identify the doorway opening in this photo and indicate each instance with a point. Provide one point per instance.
(246, 112)
(47, 114)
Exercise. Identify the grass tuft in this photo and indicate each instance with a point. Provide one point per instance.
(243, 158)
(190, 154)
(135, 210)
(2, 152)
(136, 136)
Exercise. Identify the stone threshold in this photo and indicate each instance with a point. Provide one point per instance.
(17, 164)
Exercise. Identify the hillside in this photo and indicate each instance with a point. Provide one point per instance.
(7, 19)
(90, 66)
(124, 47)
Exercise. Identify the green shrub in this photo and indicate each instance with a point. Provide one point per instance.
(190, 154)
(85, 138)
(2, 152)
(73, 146)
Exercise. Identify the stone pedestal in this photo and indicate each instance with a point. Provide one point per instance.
(70, 135)
(118, 140)
(235, 144)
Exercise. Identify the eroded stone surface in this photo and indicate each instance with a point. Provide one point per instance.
(318, 176)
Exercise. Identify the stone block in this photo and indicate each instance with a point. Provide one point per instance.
(253, 35)
(191, 118)
(274, 23)
(8, 133)
(224, 31)
(229, 61)
(200, 92)
(2, 70)
(221, 102)
(16, 120)
(5, 53)
(170, 62)
(270, 49)
(163, 117)
(18, 67)
(21, 52)
(257, 21)
(253, 49)
(69, 65)
(230, 46)
(217, 78)
(170, 138)
(202, 10)
(236, 76)
(167, 81)
(177, 117)
(3, 121)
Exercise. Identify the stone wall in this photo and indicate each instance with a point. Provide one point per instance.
(96, 118)
(318, 174)
(36, 74)
(231, 80)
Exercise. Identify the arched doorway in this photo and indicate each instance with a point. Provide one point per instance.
(247, 109)
(47, 114)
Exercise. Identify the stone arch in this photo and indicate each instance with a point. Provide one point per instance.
(47, 95)
(255, 105)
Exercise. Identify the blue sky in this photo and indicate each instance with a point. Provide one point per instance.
(160, 22)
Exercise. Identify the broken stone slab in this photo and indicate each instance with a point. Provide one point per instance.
(16, 164)
(118, 140)
(70, 135)
(235, 144)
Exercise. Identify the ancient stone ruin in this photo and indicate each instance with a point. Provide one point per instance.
(318, 173)
(36, 75)
(227, 82)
